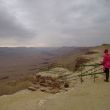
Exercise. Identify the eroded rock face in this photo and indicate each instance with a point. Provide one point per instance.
(48, 84)
(32, 88)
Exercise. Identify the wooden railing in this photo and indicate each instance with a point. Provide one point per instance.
(96, 69)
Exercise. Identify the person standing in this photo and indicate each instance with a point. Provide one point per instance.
(106, 64)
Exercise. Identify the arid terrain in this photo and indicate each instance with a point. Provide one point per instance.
(17, 65)
(89, 95)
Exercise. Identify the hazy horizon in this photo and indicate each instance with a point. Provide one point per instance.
(46, 46)
(54, 23)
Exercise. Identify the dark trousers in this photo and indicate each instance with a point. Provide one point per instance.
(106, 70)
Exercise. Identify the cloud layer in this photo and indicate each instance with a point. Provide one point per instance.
(54, 22)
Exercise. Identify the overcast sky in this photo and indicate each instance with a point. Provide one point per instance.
(54, 22)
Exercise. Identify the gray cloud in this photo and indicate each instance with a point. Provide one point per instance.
(10, 27)
(54, 22)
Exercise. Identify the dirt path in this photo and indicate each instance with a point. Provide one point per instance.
(23, 100)
(88, 96)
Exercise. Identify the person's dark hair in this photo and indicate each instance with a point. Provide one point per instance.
(106, 51)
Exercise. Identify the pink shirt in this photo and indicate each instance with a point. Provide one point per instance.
(106, 60)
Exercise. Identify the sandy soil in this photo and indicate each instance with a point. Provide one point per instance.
(88, 96)
(23, 100)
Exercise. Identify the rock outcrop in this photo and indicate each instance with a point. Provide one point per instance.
(48, 84)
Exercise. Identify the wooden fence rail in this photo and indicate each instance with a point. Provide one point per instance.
(97, 69)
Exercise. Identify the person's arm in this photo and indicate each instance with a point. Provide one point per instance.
(104, 60)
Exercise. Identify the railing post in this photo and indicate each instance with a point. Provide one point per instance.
(81, 78)
(94, 75)
(94, 78)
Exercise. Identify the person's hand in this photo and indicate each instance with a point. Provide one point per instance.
(101, 63)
